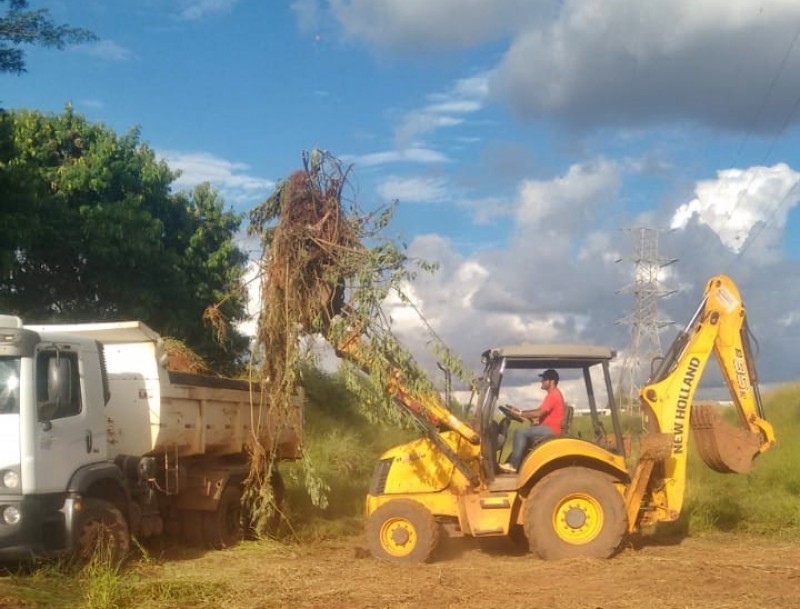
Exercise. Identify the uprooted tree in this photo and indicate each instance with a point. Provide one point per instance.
(326, 270)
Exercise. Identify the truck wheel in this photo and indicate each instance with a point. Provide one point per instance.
(278, 495)
(101, 530)
(402, 531)
(192, 527)
(270, 527)
(222, 528)
(573, 512)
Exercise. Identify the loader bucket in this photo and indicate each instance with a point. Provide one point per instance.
(722, 446)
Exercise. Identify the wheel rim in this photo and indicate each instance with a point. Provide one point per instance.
(398, 536)
(578, 519)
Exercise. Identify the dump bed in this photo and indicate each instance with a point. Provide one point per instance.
(152, 410)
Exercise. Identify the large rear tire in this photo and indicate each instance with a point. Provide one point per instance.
(223, 528)
(402, 531)
(192, 527)
(271, 526)
(101, 531)
(574, 512)
(278, 498)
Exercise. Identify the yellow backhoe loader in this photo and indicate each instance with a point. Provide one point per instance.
(573, 496)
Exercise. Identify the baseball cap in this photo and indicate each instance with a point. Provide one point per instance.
(549, 375)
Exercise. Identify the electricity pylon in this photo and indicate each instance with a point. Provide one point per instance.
(644, 319)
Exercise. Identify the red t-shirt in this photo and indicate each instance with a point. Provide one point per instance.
(552, 411)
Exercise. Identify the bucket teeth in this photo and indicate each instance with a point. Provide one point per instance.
(722, 446)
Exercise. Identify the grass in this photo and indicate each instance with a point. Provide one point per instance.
(343, 444)
(766, 501)
(101, 584)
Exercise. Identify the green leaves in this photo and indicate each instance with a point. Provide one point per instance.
(91, 231)
(23, 27)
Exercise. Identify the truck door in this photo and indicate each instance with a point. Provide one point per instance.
(70, 431)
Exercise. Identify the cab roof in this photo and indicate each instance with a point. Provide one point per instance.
(106, 332)
(529, 355)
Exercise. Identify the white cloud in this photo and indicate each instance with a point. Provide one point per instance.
(535, 288)
(308, 14)
(108, 50)
(569, 201)
(94, 104)
(252, 279)
(197, 9)
(416, 26)
(413, 190)
(405, 155)
(487, 210)
(230, 178)
(728, 63)
(615, 61)
(448, 109)
(745, 207)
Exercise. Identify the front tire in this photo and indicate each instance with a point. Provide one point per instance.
(402, 531)
(574, 512)
(101, 531)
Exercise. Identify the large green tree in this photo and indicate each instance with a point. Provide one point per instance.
(20, 27)
(90, 230)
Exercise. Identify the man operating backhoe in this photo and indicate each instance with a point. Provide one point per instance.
(545, 421)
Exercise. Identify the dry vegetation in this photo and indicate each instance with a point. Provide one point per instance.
(326, 270)
(711, 571)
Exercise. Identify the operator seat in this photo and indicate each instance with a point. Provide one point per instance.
(566, 422)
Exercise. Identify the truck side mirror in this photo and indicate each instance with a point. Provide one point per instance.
(59, 387)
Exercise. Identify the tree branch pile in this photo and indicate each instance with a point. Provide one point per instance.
(320, 250)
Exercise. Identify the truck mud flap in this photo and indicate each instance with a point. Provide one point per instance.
(722, 446)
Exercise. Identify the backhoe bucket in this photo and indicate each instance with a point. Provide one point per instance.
(722, 446)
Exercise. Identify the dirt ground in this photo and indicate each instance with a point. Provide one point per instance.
(718, 572)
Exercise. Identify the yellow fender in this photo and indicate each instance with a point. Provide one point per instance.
(579, 452)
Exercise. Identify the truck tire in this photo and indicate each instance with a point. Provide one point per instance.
(402, 531)
(192, 527)
(278, 496)
(101, 530)
(222, 528)
(270, 527)
(574, 512)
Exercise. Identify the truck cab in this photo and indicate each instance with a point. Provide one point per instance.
(51, 425)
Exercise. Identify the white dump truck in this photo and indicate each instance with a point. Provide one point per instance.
(96, 434)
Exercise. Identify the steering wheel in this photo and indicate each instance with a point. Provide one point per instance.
(507, 412)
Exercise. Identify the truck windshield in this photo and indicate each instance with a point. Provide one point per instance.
(9, 385)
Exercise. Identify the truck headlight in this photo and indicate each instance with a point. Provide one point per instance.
(11, 515)
(10, 479)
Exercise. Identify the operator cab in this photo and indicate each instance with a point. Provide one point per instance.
(584, 372)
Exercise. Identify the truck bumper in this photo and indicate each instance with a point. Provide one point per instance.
(43, 528)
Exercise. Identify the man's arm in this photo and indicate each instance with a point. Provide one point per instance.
(537, 413)
(532, 415)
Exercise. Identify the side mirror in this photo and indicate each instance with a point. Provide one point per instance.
(59, 387)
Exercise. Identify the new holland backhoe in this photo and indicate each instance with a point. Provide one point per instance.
(573, 496)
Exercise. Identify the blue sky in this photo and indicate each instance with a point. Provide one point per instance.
(521, 137)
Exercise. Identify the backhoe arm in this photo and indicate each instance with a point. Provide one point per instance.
(423, 405)
(718, 326)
